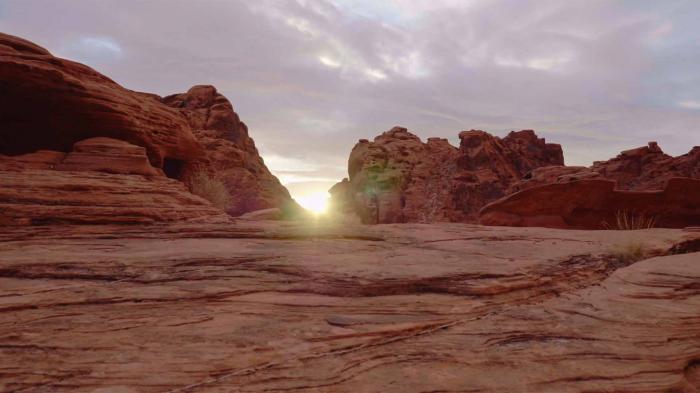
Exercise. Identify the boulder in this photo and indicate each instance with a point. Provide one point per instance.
(399, 178)
(597, 204)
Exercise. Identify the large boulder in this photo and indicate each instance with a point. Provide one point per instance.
(597, 204)
(399, 178)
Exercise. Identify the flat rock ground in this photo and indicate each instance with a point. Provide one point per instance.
(276, 307)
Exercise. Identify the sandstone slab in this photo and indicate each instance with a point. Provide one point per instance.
(262, 306)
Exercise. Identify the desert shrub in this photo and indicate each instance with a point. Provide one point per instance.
(210, 188)
(631, 252)
(627, 220)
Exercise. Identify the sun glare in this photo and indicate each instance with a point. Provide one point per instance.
(317, 203)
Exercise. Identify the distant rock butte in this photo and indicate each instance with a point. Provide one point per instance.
(398, 178)
(52, 109)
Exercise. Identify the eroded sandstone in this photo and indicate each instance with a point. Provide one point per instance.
(597, 204)
(398, 178)
(255, 307)
(50, 107)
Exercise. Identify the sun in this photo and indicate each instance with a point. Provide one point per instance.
(317, 202)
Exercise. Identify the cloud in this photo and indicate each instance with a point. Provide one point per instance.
(91, 49)
(689, 104)
(311, 77)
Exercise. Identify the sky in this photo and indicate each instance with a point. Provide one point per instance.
(311, 77)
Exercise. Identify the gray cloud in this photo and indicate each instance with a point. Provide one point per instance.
(311, 77)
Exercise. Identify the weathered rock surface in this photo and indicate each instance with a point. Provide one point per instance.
(255, 307)
(596, 204)
(49, 104)
(642, 168)
(398, 178)
(231, 153)
(101, 181)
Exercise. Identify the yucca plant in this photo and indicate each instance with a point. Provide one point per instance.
(628, 220)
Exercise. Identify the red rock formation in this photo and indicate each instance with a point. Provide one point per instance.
(643, 168)
(49, 104)
(398, 178)
(102, 181)
(231, 153)
(596, 204)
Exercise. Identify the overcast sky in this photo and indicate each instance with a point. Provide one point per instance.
(311, 77)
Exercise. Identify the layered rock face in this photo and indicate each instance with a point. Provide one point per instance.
(641, 182)
(596, 204)
(642, 168)
(49, 105)
(231, 154)
(398, 178)
(101, 181)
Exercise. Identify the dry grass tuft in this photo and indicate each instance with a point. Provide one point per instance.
(627, 220)
(631, 252)
(210, 188)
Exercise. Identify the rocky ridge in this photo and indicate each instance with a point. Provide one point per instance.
(52, 109)
(597, 204)
(642, 168)
(398, 178)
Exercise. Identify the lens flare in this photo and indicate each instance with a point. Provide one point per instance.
(317, 203)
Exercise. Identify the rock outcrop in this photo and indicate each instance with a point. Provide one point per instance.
(398, 178)
(231, 154)
(101, 181)
(642, 168)
(50, 106)
(268, 307)
(48, 103)
(596, 204)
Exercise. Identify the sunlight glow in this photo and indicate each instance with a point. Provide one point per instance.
(317, 203)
